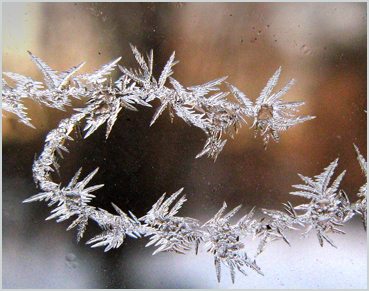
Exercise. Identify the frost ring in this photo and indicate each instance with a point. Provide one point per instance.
(328, 208)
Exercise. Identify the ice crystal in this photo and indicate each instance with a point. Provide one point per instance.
(223, 241)
(72, 200)
(199, 105)
(203, 106)
(56, 95)
(274, 229)
(116, 227)
(172, 233)
(328, 207)
(360, 205)
(271, 115)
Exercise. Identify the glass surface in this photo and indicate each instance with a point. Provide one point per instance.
(321, 45)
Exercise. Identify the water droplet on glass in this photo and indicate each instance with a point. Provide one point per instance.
(70, 257)
(70, 261)
(306, 50)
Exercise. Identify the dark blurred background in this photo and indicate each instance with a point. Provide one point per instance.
(321, 45)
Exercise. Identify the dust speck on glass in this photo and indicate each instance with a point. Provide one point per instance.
(322, 204)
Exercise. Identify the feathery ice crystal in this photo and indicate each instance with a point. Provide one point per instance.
(203, 106)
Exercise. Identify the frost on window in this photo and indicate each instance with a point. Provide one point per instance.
(191, 99)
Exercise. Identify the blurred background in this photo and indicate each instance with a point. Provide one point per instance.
(321, 45)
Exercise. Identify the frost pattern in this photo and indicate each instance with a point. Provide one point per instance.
(360, 205)
(223, 241)
(203, 106)
(328, 208)
(271, 115)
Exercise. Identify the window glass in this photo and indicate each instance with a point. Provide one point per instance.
(322, 46)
